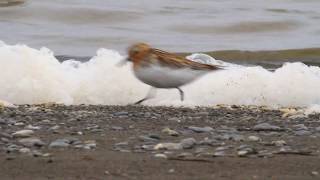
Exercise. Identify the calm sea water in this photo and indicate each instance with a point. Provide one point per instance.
(80, 27)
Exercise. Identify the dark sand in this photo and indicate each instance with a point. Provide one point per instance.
(140, 128)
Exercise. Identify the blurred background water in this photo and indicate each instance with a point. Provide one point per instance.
(80, 27)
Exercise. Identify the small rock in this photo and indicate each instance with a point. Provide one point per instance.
(56, 127)
(245, 150)
(170, 132)
(161, 156)
(90, 144)
(121, 144)
(188, 143)
(23, 133)
(3, 122)
(24, 150)
(299, 127)
(266, 127)
(33, 127)
(278, 143)
(200, 129)
(209, 142)
(171, 171)
(174, 119)
(317, 129)
(121, 113)
(59, 143)
(117, 128)
(148, 139)
(19, 124)
(302, 133)
(315, 173)
(168, 146)
(29, 142)
(254, 138)
(219, 154)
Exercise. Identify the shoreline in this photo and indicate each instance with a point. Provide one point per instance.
(141, 142)
(265, 58)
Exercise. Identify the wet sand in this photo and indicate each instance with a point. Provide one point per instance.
(131, 142)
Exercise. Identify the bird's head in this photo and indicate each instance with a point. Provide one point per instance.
(138, 51)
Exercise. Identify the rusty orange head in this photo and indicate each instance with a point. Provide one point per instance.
(138, 51)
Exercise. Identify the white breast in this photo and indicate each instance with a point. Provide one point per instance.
(164, 77)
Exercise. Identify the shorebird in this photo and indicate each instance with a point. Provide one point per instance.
(161, 69)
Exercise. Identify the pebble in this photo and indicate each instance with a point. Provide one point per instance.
(168, 146)
(219, 154)
(200, 129)
(23, 133)
(278, 143)
(59, 143)
(90, 144)
(174, 119)
(302, 133)
(318, 129)
(24, 150)
(188, 143)
(19, 124)
(121, 113)
(266, 127)
(254, 138)
(33, 127)
(148, 139)
(210, 142)
(2, 121)
(117, 128)
(161, 156)
(299, 127)
(245, 150)
(170, 132)
(315, 173)
(29, 142)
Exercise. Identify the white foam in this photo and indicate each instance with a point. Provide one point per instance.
(31, 76)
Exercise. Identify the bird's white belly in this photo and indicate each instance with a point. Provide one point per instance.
(164, 77)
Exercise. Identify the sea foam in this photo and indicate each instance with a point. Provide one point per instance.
(30, 76)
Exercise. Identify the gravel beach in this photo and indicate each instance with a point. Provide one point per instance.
(52, 141)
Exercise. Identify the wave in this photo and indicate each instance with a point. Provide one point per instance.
(32, 76)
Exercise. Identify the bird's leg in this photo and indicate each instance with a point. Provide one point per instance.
(151, 94)
(181, 94)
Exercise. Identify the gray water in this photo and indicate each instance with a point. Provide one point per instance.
(80, 27)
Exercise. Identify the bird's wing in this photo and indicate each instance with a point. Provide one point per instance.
(168, 59)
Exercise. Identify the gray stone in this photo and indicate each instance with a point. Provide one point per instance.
(299, 127)
(168, 146)
(90, 144)
(200, 129)
(317, 129)
(266, 127)
(254, 138)
(302, 133)
(174, 119)
(117, 128)
(161, 156)
(29, 142)
(59, 143)
(24, 150)
(148, 139)
(209, 142)
(170, 132)
(121, 113)
(23, 133)
(3, 122)
(188, 143)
